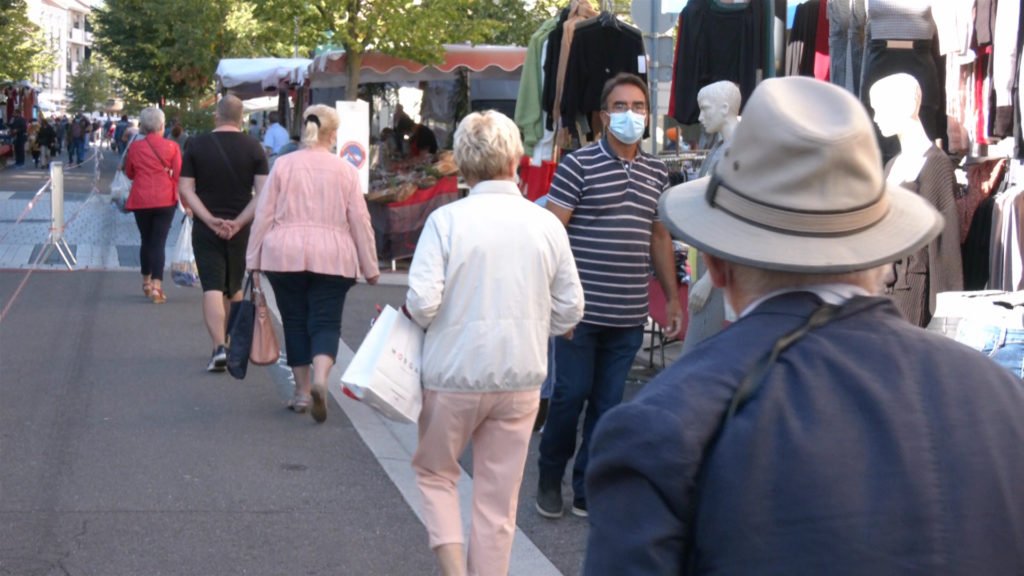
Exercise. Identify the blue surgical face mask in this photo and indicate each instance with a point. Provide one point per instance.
(628, 126)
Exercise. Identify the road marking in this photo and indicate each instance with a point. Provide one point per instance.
(393, 444)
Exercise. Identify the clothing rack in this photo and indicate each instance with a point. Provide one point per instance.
(674, 162)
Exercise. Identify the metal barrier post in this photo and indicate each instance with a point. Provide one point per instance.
(56, 239)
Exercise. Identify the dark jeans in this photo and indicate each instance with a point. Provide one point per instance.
(592, 369)
(78, 149)
(310, 306)
(19, 150)
(154, 225)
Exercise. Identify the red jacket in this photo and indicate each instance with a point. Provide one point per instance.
(146, 164)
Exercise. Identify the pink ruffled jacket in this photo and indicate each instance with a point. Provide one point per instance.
(311, 216)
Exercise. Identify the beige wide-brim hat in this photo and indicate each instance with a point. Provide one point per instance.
(801, 189)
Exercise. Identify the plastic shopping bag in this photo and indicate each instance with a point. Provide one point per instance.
(385, 371)
(183, 268)
(120, 186)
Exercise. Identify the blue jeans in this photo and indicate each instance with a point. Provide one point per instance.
(310, 306)
(592, 369)
(1003, 345)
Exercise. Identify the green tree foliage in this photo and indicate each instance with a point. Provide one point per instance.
(170, 50)
(90, 87)
(25, 50)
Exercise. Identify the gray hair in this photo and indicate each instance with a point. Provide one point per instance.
(486, 144)
(723, 91)
(151, 120)
(319, 134)
(757, 282)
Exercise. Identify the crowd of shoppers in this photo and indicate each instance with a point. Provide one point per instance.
(819, 433)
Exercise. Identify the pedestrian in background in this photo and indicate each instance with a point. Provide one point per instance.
(492, 277)
(821, 433)
(312, 237)
(47, 139)
(607, 195)
(219, 174)
(154, 165)
(19, 136)
(276, 136)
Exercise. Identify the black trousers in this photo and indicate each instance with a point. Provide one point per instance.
(154, 225)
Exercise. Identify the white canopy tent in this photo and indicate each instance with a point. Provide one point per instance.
(250, 78)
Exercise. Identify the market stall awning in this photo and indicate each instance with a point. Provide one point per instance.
(256, 77)
(497, 62)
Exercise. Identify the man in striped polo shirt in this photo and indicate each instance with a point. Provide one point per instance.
(607, 195)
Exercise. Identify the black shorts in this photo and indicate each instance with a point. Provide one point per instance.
(221, 262)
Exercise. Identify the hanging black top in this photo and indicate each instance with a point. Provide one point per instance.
(601, 48)
(717, 42)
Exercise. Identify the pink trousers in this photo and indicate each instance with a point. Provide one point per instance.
(499, 425)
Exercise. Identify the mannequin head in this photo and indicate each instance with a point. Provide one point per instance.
(719, 103)
(896, 100)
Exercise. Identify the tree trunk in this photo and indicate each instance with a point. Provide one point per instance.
(355, 63)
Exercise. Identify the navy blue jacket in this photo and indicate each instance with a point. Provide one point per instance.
(872, 447)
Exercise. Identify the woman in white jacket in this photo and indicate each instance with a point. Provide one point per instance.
(492, 277)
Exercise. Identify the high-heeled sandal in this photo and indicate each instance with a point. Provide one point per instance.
(157, 295)
(147, 288)
(319, 408)
(300, 402)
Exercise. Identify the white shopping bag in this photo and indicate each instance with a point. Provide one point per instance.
(120, 186)
(183, 268)
(385, 372)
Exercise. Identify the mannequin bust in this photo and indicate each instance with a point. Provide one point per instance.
(719, 104)
(924, 168)
(719, 114)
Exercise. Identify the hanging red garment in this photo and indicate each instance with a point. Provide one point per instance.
(822, 60)
(675, 66)
(534, 181)
(28, 102)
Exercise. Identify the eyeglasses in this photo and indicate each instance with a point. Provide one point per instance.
(638, 107)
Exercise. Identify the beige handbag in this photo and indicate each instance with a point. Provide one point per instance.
(265, 349)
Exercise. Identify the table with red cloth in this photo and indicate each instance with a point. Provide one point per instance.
(397, 225)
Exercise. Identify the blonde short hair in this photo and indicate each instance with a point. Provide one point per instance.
(486, 143)
(151, 120)
(314, 134)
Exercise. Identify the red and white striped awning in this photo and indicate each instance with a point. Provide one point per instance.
(499, 62)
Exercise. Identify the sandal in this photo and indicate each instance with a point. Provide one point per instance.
(300, 402)
(319, 408)
(147, 288)
(157, 296)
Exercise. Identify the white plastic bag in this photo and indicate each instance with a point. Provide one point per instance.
(120, 186)
(183, 268)
(385, 371)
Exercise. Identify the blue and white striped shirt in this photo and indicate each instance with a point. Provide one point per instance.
(614, 204)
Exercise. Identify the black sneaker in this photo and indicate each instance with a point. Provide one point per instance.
(549, 500)
(579, 507)
(219, 360)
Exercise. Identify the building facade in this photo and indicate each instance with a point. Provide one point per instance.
(65, 24)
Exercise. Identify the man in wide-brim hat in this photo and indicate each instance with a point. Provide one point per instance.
(821, 433)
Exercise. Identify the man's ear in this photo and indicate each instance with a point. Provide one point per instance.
(721, 272)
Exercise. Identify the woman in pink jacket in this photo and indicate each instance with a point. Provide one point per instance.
(154, 165)
(312, 237)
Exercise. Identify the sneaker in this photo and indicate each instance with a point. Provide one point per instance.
(219, 360)
(579, 507)
(549, 500)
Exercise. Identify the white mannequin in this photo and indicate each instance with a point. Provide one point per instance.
(719, 114)
(896, 114)
(719, 104)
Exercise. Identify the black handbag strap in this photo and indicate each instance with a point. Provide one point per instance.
(227, 161)
(167, 169)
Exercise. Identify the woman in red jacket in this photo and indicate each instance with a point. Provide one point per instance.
(154, 165)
